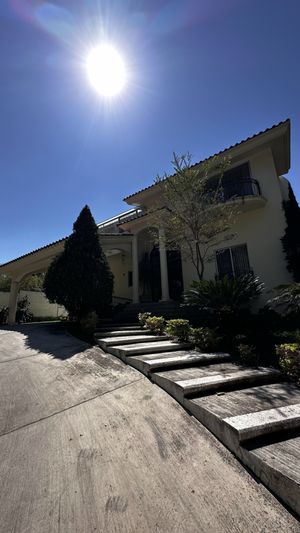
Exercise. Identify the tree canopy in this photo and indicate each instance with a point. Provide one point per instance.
(192, 209)
(80, 278)
(291, 239)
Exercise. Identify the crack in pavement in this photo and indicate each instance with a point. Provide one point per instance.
(71, 407)
(19, 358)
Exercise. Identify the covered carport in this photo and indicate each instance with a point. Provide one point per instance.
(117, 246)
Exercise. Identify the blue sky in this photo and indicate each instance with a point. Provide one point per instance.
(203, 74)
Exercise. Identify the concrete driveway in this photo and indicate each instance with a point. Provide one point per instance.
(88, 444)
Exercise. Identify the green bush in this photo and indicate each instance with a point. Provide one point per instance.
(224, 295)
(3, 315)
(23, 313)
(288, 298)
(247, 354)
(289, 360)
(288, 336)
(205, 339)
(88, 323)
(179, 328)
(156, 324)
(80, 278)
(143, 318)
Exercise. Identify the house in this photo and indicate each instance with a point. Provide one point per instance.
(145, 272)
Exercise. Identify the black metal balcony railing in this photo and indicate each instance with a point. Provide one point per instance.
(239, 188)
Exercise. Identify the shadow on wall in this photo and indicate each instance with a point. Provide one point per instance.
(52, 339)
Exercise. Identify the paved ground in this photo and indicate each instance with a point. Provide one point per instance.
(88, 444)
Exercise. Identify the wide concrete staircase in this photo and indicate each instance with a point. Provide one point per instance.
(253, 411)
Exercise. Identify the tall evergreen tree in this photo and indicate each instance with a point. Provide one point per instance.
(291, 239)
(80, 278)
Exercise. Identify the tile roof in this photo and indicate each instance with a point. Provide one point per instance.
(33, 251)
(287, 121)
(56, 242)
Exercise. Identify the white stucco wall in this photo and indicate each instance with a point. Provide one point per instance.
(120, 265)
(39, 305)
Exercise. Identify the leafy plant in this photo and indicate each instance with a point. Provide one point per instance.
(5, 282)
(192, 210)
(156, 324)
(88, 323)
(247, 354)
(291, 239)
(179, 328)
(80, 278)
(224, 295)
(142, 317)
(288, 298)
(23, 313)
(205, 339)
(3, 315)
(289, 360)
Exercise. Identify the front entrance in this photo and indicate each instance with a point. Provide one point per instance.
(150, 275)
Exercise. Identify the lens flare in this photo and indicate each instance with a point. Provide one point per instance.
(106, 70)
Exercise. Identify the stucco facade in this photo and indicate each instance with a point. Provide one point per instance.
(128, 239)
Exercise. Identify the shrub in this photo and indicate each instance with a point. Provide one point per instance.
(288, 336)
(89, 322)
(179, 328)
(3, 315)
(143, 318)
(224, 295)
(156, 324)
(23, 314)
(80, 278)
(288, 298)
(289, 360)
(247, 354)
(205, 339)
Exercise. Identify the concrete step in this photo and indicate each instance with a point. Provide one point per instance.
(265, 413)
(123, 333)
(117, 327)
(277, 464)
(253, 425)
(195, 380)
(214, 410)
(129, 350)
(151, 362)
(105, 342)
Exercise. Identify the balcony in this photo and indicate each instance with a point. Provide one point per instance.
(246, 190)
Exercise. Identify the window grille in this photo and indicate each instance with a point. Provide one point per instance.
(233, 261)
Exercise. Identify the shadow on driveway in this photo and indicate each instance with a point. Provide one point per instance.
(51, 338)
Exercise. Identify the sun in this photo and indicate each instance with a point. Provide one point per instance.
(106, 70)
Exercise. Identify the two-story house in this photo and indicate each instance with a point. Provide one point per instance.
(146, 272)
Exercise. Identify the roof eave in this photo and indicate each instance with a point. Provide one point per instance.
(234, 150)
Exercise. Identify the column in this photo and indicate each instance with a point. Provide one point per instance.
(13, 298)
(163, 266)
(135, 270)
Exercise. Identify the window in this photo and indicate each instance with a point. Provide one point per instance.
(236, 182)
(129, 278)
(233, 261)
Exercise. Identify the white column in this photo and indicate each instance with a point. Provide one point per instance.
(13, 298)
(163, 266)
(135, 270)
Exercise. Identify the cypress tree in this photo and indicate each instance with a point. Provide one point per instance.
(80, 278)
(291, 239)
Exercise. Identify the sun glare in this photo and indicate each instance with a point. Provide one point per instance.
(106, 70)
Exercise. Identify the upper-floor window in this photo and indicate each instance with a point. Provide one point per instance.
(237, 182)
(233, 261)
